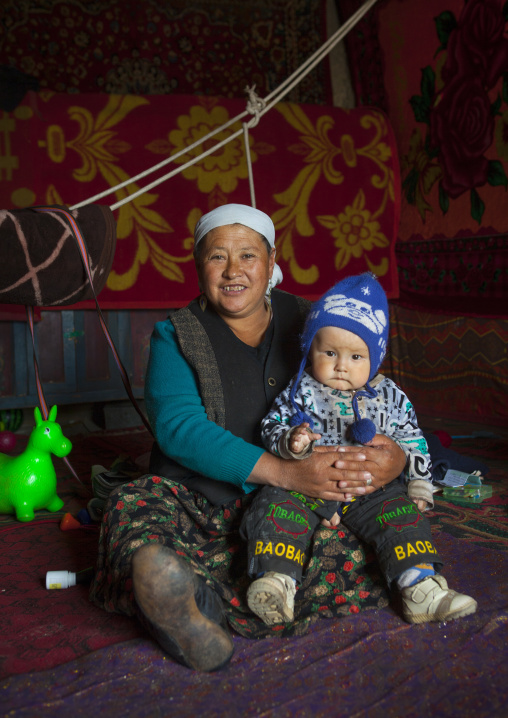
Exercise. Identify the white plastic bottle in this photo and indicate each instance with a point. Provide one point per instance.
(60, 579)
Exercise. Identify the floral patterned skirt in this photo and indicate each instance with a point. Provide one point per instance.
(340, 578)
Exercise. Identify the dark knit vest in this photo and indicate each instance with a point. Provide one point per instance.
(237, 383)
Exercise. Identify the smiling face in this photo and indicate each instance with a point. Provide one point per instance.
(339, 359)
(234, 268)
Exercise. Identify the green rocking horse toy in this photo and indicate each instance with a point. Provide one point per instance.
(28, 481)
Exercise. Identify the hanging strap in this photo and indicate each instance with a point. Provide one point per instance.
(40, 391)
(76, 231)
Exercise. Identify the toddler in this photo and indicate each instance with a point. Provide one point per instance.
(340, 398)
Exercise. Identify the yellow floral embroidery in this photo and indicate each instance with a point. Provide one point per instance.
(380, 154)
(355, 233)
(318, 153)
(356, 230)
(223, 168)
(99, 148)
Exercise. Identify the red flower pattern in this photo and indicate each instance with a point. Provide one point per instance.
(478, 45)
(460, 108)
(462, 126)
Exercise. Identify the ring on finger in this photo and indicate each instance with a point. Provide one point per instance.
(369, 481)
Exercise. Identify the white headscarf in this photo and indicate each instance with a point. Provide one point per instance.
(241, 214)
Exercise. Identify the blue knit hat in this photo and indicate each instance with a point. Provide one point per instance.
(359, 305)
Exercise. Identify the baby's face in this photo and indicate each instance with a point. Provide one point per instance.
(339, 359)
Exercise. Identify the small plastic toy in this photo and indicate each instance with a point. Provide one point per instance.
(7, 441)
(472, 492)
(28, 481)
(11, 419)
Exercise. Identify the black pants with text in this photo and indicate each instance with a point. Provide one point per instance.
(279, 526)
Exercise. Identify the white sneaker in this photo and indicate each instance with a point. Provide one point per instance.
(272, 598)
(432, 600)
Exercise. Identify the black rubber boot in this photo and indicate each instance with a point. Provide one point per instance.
(179, 610)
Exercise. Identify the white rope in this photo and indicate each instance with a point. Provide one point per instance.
(255, 106)
(249, 164)
(181, 168)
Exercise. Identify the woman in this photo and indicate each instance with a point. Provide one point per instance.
(168, 547)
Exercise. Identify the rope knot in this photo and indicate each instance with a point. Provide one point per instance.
(255, 105)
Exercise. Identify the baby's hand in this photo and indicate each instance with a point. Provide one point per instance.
(334, 521)
(300, 437)
(421, 503)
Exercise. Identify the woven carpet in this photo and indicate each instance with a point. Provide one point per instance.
(210, 47)
(485, 524)
(61, 653)
(450, 366)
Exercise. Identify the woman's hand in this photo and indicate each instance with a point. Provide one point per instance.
(316, 476)
(360, 470)
(383, 459)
